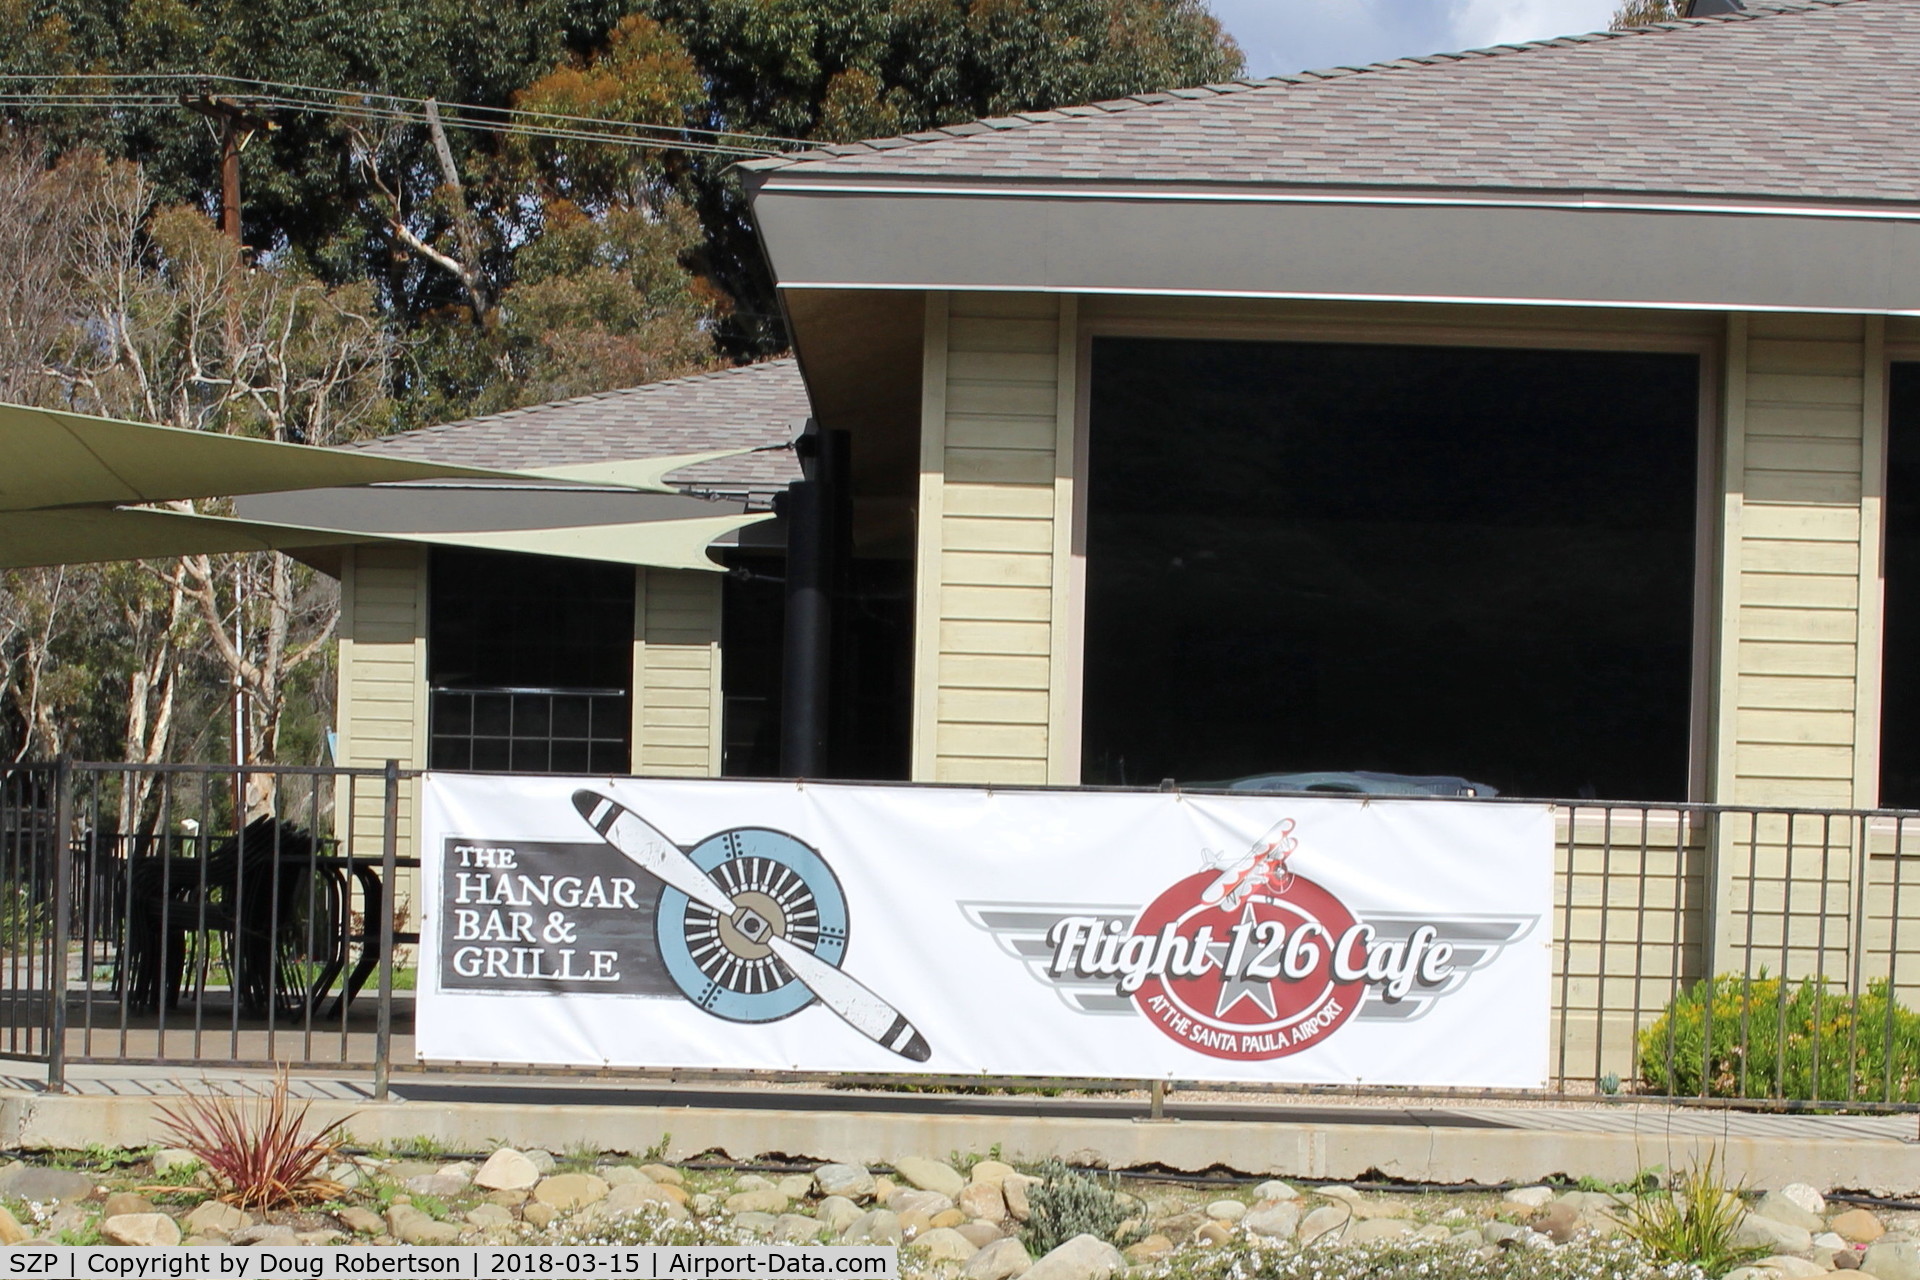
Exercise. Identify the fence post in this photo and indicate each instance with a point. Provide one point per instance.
(389, 854)
(62, 906)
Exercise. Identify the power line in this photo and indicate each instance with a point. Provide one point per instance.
(363, 105)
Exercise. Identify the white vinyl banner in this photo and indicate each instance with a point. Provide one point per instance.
(766, 925)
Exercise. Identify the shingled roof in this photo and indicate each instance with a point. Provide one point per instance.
(1802, 99)
(759, 406)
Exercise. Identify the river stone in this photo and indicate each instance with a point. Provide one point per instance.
(122, 1202)
(1757, 1232)
(1531, 1197)
(1845, 1264)
(632, 1197)
(147, 1229)
(768, 1199)
(1277, 1221)
(542, 1160)
(1327, 1218)
(1151, 1249)
(1084, 1257)
(461, 1169)
(44, 1186)
(1341, 1191)
(836, 1213)
(1807, 1197)
(507, 1170)
(944, 1244)
(930, 1175)
(1226, 1211)
(751, 1182)
(620, 1175)
(1014, 1188)
(982, 1200)
(883, 1187)
(993, 1171)
(486, 1216)
(796, 1228)
(1213, 1233)
(355, 1219)
(664, 1174)
(846, 1180)
(981, 1233)
(907, 1200)
(1857, 1225)
(1557, 1221)
(212, 1218)
(946, 1218)
(1275, 1190)
(796, 1186)
(410, 1226)
(1379, 1229)
(1893, 1260)
(1782, 1208)
(539, 1213)
(11, 1232)
(566, 1191)
(876, 1226)
(758, 1223)
(1790, 1267)
(438, 1185)
(1002, 1260)
(1469, 1238)
(271, 1233)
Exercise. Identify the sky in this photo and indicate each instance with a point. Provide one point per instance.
(1282, 36)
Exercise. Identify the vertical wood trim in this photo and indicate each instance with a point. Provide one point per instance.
(1733, 409)
(1873, 487)
(637, 709)
(927, 540)
(1064, 665)
(344, 663)
(716, 692)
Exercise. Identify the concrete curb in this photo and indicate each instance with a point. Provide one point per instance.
(1280, 1148)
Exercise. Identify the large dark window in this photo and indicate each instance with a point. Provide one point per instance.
(530, 663)
(1421, 560)
(1900, 659)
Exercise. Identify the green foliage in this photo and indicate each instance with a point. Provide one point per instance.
(1693, 1221)
(1584, 1259)
(1770, 1039)
(657, 1153)
(1643, 13)
(1068, 1203)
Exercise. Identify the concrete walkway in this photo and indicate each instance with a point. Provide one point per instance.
(1270, 1135)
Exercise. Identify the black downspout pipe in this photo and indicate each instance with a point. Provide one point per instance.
(806, 668)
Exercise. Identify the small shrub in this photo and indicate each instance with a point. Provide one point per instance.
(1835, 1046)
(1693, 1221)
(1068, 1203)
(258, 1149)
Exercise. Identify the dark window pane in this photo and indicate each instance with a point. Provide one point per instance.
(571, 717)
(452, 753)
(608, 757)
(1421, 560)
(493, 714)
(1900, 669)
(492, 755)
(573, 757)
(452, 713)
(531, 714)
(530, 755)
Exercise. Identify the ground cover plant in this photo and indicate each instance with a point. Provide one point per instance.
(260, 1150)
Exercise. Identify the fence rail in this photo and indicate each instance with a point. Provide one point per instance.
(1703, 954)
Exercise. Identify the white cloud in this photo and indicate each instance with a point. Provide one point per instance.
(1292, 35)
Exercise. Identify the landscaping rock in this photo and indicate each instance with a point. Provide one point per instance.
(751, 1182)
(566, 1191)
(438, 1185)
(664, 1174)
(796, 1186)
(1807, 1197)
(1789, 1267)
(876, 1226)
(1757, 1232)
(1151, 1249)
(321, 1237)
(836, 1213)
(946, 1218)
(1857, 1225)
(542, 1160)
(167, 1159)
(486, 1216)
(704, 1204)
(141, 1229)
(271, 1233)
(1528, 1197)
(1085, 1257)
(883, 1187)
(1893, 1260)
(1341, 1191)
(461, 1169)
(507, 1170)
(11, 1232)
(993, 1171)
(767, 1199)
(1557, 1222)
(849, 1181)
(1327, 1218)
(982, 1200)
(1275, 1221)
(930, 1175)
(1783, 1208)
(44, 1186)
(125, 1202)
(944, 1244)
(1276, 1190)
(539, 1213)
(1378, 1229)
(796, 1228)
(620, 1175)
(1226, 1211)
(212, 1218)
(410, 1226)
(1212, 1234)
(981, 1233)
(355, 1219)
(1014, 1188)
(758, 1223)
(635, 1197)
(1001, 1260)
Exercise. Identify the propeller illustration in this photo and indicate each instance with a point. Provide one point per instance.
(643, 845)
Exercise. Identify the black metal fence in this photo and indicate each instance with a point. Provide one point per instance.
(195, 914)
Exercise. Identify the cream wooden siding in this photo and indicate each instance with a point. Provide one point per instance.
(1801, 613)
(383, 684)
(676, 673)
(991, 702)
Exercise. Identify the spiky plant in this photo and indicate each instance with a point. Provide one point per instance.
(1694, 1221)
(259, 1148)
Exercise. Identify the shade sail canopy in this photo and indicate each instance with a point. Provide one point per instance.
(60, 459)
(87, 534)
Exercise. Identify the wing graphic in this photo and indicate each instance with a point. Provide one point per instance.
(1477, 940)
(1020, 930)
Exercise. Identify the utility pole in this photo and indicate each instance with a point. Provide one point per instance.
(238, 125)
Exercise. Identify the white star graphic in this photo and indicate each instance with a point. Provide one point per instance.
(1234, 990)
